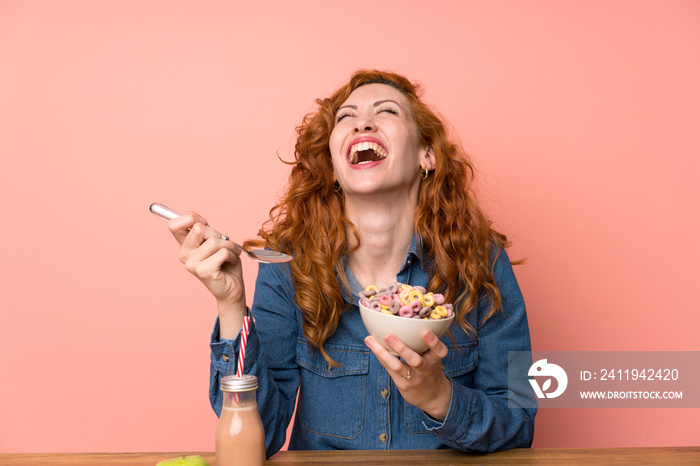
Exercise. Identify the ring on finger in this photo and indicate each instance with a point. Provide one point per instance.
(408, 374)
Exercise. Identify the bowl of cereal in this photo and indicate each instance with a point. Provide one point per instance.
(406, 311)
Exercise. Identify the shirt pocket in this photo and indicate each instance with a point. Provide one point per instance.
(332, 398)
(458, 365)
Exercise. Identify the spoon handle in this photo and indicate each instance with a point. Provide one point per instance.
(168, 214)
(260, 255)
(162, 211)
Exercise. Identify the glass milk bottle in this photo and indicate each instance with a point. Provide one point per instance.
(240, 438)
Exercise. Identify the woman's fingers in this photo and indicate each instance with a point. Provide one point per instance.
(210, 256)
(436, 351)
(180, 226)
(213, 260)
(216, 263)
(412, 358)
(436, 347)
(199, 233)
(422, 366)
(210, 246)
(386, 359)
(419, 378)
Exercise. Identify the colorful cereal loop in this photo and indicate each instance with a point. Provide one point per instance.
(416, 306)
(406, 311)
(441, 310)
(394, 306)
(415, 295)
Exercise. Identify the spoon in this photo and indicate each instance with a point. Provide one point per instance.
(261, 255)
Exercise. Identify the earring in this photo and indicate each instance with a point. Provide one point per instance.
(424, 173)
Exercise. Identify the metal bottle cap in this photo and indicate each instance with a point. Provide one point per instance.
(244, 383)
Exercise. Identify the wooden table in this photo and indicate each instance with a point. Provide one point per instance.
(583, 456)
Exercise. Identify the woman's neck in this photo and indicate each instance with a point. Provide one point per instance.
(386, 229)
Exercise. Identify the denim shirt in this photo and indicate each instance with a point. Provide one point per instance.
(356, 405)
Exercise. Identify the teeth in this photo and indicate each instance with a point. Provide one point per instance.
(379, 150)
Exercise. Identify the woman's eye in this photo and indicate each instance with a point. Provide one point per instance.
(388, 110)
(341, 116)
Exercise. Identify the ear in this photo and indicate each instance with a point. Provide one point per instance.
(427, 159)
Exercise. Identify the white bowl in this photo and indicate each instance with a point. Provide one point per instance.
(379, 325)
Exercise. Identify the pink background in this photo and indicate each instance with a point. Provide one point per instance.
(583, 118)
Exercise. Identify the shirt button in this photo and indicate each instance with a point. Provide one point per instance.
(329, 367)
(384, 392)
(383, 437)
(225, 357)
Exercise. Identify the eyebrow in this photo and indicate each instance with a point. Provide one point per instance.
(376, 104)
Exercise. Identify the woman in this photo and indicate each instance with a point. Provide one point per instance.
(377, 194)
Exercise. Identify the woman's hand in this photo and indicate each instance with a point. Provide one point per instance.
(420, 378)
(216, 263)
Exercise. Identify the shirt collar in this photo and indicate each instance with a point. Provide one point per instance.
(412, 256)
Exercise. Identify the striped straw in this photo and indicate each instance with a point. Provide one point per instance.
(244, 343)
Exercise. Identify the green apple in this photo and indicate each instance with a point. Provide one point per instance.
(194, 460)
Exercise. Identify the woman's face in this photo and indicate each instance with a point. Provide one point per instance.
(374, 144)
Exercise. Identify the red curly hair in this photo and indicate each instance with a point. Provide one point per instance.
(309, 222)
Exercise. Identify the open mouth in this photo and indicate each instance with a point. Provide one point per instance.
(365, 152)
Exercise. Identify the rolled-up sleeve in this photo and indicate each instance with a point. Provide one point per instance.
(270, 355)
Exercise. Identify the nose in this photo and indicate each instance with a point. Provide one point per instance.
(364, 125)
